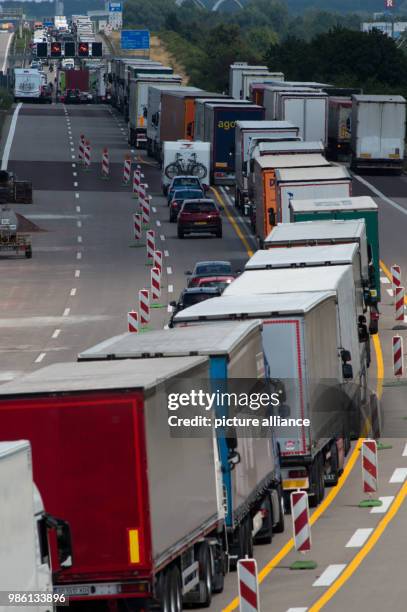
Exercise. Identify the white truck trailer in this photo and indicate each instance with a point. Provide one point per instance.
(308, 110)
(27, 85)
(235, 76)
(378, 132)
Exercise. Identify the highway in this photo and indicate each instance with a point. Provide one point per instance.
(84, 277)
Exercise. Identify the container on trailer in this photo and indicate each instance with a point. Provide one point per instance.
(200, 104)
(249, 77)
(235, 76)
(347, 209)
(307, 110)
(270, 97)
(378, 132)
(220, 124)
(140, 499)
(339, 125)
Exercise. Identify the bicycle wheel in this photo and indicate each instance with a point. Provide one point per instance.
(172, 170)
(198, 170)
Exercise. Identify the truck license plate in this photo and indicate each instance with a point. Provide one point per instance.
(200, 223)
(72, 591)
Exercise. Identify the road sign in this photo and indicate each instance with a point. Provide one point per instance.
(115, 7)
(135, 39)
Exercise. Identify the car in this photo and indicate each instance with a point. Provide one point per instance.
(221, 282)
(191, 296)
(183, 181)
(205, 269)
(199, 217)
(179, 196)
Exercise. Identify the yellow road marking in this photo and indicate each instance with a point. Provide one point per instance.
(388, 274)
(232, 221)
(357, 560)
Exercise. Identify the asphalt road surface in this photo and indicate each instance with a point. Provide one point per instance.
(83, 279)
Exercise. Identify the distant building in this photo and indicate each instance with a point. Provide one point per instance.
(386, 27)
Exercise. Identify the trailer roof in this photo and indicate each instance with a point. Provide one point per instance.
(146, 76)
(367, 98)
(287, 279)
(198, 93)
(291, 160)
(280, 146)
(312, 231)
(304, 94)
(227, 104)
(326, 204)
(129, 374)
(254, 306)
(301, 256)
(267, 125)
(181, 341)
(298, 175)
(172, 87)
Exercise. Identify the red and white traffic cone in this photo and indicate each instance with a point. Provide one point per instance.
(158, 260)
(105, 164)
(136, 183)
(144, 306)
(248, 585)
(137, 226)
(155, 284)
(142, 191)
(127, 170)
(87, 155)
(398, 356)
(132, 321)
(150, 244)
(370, 473)
(301, 528)
(395, 277)
(81, 152)
(399, 303)
(145, 210)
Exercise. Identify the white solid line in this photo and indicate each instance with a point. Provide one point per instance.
(75, 184)
(386, 502)
(329, 575)
(162, 237)
(66, 312)
(384, 280)
(405, 451)
(79, 223)
(77, 273)
(76, 195)
(10, 136)
(380, 194)
(56, 333)
(79, 255)
(158, 223)
(359, 538)
(390, 292)
(166, 254)
(73, 292)
(399, 475)
(78, 209)
(79, 238)
(297, 609)
(153, 208)
(170, 288)
(40, 357)
(169, 270)
(3, 68)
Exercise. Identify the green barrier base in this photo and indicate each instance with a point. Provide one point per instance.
(370, 503)
(303, 565)
(157, 305)
(144, 329)
(383, 446)
(149, 263)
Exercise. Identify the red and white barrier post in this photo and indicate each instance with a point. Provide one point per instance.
(395, 277)
(248, 585)
(398, 356)
(142, 191)
(370, 473)
(132, 321)
(87, 155)
(158, 260)
(127, 170)
(150, 244)
(301, 528)
(399, 303)
(145, 210)
(81, 152)
(136, 183)
(155, 284)
(144, 306)
(105, 164)
(137, 227)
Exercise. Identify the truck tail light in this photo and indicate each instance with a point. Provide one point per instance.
(134, 546)
(297, 473)
(134, 587)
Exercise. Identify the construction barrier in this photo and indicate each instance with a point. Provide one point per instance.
(398, 356)
(399, 303)
(87, 154)
(127, 170)
(81, 153)
(158, 260)
(155, 284)
(142, 191)
(144, 306)
(395, 277)
(105, 163)
(145, 209)
(137, 226)
(132, 320)
(248, 585)
(369, 466)
(301, 524)
(150, 243)
(136, 183)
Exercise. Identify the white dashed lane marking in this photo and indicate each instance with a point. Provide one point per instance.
(40, 357)
(56, 333)
(329, 575)
(399, 475)
(386, 502)
(359, 538)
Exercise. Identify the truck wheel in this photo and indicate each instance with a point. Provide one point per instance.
(205, 575)
(180, 234)
(280, 524)
(218, 579)
(315, 482)
(176, 591)
(265, 535)
(164, 589)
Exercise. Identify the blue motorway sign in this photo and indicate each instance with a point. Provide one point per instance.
(135, 39)
(115, 7)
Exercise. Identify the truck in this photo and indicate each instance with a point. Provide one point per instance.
(253, 486)
(339, 126)
(313, 456)
(12, 239)
(138, 100)
(27, 85)
(154, 112)
(270, 96)
(235, 76)
(119, 77)
(186, 158)
(248, 77)
(220, 124)
(266, 188)
(307, 110)
(143, 499)
(378, 132)
(200, 104)
(13, 190)
(347, 209)
(247, 135)
(25, 551)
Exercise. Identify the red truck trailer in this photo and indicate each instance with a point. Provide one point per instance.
(142, 503)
